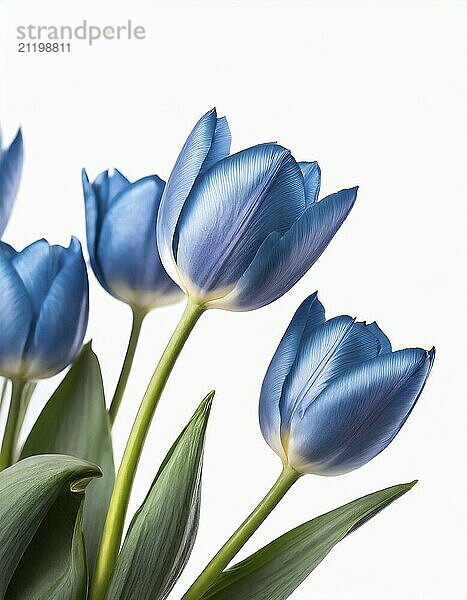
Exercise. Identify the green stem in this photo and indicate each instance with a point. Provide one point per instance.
(138, 318)
(26, 396)
(11, 430)
(3, 392)
(113, 528)
(220, 561)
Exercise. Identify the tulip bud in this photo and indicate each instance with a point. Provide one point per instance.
(11, 164)
(237, 232)
(335, 395)
(121, 236)
(43, 308)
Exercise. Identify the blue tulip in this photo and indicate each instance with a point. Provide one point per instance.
(121, 235)
(43, 308)
(11, 164)
(335, 394)
(237, 232)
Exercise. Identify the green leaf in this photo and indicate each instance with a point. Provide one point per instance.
(75, 422)
(54, 564)
(162, 533)
(275, 571)
(31, 492)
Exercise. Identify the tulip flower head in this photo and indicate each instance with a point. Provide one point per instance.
(121, 236)
(237, 232)
(43, 308)
(11, 164)
(335, 395)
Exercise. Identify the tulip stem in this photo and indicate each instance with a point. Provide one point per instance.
(138, 318)
(220, 561)
(11, 429)
(3, 393)
(113, 528)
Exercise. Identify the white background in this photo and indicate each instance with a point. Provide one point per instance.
(376, 91)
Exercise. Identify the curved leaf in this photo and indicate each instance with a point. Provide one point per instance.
(162, 532)
(29, 491)
(54, 564)
(75, 422)
(276, 570)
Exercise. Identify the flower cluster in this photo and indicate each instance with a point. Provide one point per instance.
(227, 231)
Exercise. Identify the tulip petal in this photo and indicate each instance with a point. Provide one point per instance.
(385, 344)
(232, 209)
(93, 220)
(37, 265)
(282, 260)
(63, 318)
(16, 314)
(107, 186)
(220, 147)
(308, 315)
(11, 164)
(127, 250)
(7, 251)
(312, 178)
(202, 144)
(358, 414)
(329, 351)
(98, 197)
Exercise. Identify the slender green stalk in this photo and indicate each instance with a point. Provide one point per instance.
(11, 430)
(3, 392)
(138, 318)
(220, 561)
(113, 528)
(28, 391)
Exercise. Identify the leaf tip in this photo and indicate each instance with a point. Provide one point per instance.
(207, 402)
(205, 407)
(78, 486)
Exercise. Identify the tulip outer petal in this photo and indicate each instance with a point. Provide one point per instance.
(333, 348)
(62, 321)
(197, 149)
(282, 260)
(127, 235)
(220, 146)
(37, 265)
(16, 314)
(93, 217)
(11, 165)
(309, 315)
(358, 414)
